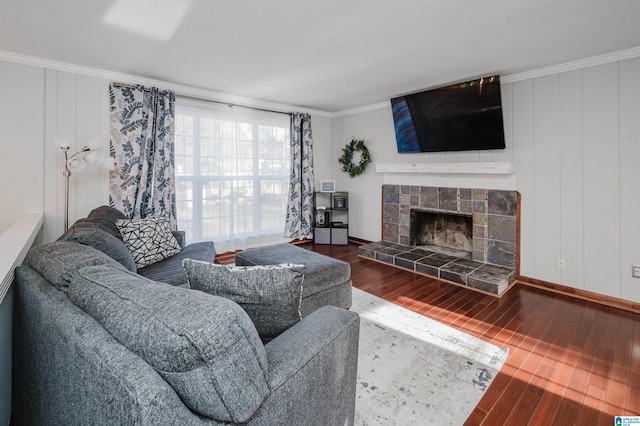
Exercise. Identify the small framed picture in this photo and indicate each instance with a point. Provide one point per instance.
(340, 203)
(327, 186)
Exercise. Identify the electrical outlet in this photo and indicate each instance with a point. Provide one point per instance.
(635, 271)
(560, 262)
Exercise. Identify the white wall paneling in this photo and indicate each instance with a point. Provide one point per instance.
(601, 171)
(92, 103)
(53, 198)
(77, 110)
(321, 131)
(21, 139)
(629, 176)
(521, 116)
(376, 129)
(571, 187)
(574, 138)
(546, 169)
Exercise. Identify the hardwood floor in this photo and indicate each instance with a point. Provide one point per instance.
(570, 361)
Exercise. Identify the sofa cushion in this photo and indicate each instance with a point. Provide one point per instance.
(105, 217)
(204, 346)
(58, 262)
(149, 240)
(170, 270)
(270, 294)
(89, 233)
(321, 272)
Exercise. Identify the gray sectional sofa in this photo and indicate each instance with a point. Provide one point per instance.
(99, 231)
(98, 343)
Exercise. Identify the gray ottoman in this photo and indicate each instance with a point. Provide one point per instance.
(327, 281)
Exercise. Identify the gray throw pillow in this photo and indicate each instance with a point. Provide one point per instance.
(58, 262)
(270, 294)
(149, 240)
(205, 347)
(105, 218)
(91, 234)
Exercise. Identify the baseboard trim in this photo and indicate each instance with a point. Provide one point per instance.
(590, 296)
(359, 241)
(614, 302)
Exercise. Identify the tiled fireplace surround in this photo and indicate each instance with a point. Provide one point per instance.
(492, 265)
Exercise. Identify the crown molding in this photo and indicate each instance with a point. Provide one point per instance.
(212, 95)
(367, 108)
(526, 75)
(573, 65)
(179, 89)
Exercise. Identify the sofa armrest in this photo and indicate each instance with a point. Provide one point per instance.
(68, 370)
(181, 236)
(313, 370)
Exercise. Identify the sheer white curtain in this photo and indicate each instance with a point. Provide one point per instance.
(232, 174)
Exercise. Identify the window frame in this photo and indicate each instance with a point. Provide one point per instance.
(196, 231)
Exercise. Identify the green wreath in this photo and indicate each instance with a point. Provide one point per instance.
(347, 157)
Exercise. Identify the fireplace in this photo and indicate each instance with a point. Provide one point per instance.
(446, 233)
(468, 236)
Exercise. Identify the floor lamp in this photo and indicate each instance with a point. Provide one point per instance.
(89, 153)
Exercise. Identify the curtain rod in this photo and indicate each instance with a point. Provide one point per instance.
(229, 104)
(137, 86)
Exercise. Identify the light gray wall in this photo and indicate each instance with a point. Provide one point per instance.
(76, 111)
(574, 138)
(21, 141)
(321, 132)
(40, 106)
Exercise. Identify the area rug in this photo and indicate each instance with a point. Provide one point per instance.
(414, 370)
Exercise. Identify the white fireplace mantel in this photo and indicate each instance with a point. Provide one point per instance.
(498, 168)
(492, 175)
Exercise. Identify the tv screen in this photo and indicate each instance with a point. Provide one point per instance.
(461, 117)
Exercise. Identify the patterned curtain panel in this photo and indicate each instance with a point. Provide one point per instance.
(299, 222)
(142, 145)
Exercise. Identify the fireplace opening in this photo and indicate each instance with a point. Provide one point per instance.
(447, 233)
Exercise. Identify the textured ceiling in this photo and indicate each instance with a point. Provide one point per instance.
(327, 55)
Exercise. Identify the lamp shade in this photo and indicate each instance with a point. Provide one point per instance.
(95, 144)
(94, 157)
(76, 164)
(109, 163)
(61, 142)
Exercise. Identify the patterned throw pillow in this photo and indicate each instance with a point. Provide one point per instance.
(269, 294)
(150, 239)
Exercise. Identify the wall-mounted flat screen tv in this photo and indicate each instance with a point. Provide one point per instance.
(460, 117)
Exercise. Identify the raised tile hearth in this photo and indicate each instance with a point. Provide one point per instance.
(484, 257)
(481, 276)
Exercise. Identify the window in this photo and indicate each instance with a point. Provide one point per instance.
(232, 174)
